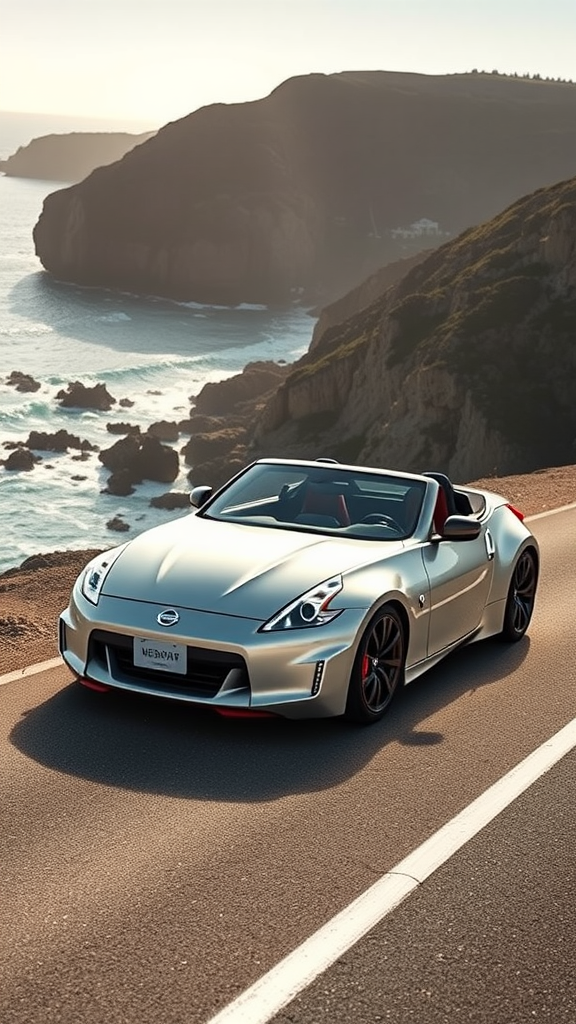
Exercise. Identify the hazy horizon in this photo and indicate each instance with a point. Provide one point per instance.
(140, 63)
(137, 123)
(20, 128)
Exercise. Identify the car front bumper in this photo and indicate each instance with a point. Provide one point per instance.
(299, 673)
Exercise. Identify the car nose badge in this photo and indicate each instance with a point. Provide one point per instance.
(169, 617)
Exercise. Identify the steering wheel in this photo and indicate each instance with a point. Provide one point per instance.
(376, 517)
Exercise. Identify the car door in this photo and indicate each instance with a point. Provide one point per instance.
(460, 574)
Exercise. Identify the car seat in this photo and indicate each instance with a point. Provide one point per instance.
(445, 502)
(411, 505)
(324, 500)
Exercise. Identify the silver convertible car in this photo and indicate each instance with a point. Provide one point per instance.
(303, 589)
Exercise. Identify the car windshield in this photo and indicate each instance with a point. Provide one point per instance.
(322, 499)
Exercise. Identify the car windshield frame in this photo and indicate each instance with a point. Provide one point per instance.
(322, 498)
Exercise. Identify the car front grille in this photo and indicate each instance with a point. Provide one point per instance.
(206, 670)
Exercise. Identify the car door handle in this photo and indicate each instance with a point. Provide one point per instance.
(490, 547)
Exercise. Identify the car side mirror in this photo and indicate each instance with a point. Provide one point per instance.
(200, 495)
(461, 528)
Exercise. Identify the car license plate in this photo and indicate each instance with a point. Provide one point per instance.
(160, 655)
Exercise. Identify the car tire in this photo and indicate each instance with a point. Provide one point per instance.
(521, 597)
(378, 668)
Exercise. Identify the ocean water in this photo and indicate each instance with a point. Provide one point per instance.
(136, 346)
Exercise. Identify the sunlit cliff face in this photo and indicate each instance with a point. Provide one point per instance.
(301, 194)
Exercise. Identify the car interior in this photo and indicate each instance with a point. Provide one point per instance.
(358, 506)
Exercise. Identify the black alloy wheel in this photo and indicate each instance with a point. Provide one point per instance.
(378, 668)
(521, 597)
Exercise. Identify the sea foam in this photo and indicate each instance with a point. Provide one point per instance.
(154, 352)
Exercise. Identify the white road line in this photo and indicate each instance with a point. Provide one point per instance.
(263, 1000)
(31, 670)
(551, 512)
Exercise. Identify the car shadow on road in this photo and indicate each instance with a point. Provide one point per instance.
(155, 746)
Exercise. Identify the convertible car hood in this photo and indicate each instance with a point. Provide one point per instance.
(232, 568)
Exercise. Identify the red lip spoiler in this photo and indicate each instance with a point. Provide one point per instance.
(244, 713)
(224, 712)
(99, 687)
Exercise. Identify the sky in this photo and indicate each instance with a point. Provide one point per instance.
(146, 62)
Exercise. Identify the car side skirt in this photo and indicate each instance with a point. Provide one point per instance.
(491, 625)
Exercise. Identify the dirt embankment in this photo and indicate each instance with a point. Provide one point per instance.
(33, 594)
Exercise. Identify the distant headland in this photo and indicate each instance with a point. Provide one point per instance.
(69, 157)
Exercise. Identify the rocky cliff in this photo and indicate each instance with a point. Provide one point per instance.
(467, 364)
(305, 192)
(363, 295)
(69, 157)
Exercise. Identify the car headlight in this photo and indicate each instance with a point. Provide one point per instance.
(311, 609)
(96, 572)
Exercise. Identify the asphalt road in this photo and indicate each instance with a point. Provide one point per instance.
(490, 938)
(154, 861)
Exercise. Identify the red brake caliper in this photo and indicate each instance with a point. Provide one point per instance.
(365, 666)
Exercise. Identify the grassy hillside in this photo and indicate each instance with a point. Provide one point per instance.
(470, 357)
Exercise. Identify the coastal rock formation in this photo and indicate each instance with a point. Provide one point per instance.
(199, 423)
(224, 397)
(118, 524)
(171, 500)
(122, 428)
(223, 417)
(302, 194)
(139, 457)
(69, 157)
(21, 459)
(211, 446)
(23, 381)
(121, 455)
(121, 483)
(467, 364)
(78, 396)
(60, 441)
(164, 430)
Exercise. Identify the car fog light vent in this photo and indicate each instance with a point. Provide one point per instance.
(318, 672)
(62, 641)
